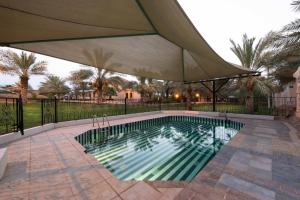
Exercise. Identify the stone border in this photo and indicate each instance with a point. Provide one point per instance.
(10, 137)
(3, 161)
(220, 114)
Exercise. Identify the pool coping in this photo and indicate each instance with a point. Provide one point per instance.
(14, 136)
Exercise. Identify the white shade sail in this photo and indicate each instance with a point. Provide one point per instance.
(148, 38)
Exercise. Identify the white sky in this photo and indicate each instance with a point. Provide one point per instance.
(217, 21)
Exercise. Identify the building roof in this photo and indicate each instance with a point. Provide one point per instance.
(149, 38)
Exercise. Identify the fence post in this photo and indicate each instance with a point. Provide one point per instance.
(55, 110)
(20, 116)
(159, 104)
(42, 110)
(125, 106)
(17, 115)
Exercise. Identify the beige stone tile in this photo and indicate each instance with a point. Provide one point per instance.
(18, 156)
(45, 164)
(169, 193)
(117, 198)
(85, 179)
(49, 181)
(64, 192)
(105, 173)
(141, 191)
(120, 185)
(15, 187)
(101, 191)
(76, 162)
(15, 196)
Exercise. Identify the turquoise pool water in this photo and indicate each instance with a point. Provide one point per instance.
(168, 148)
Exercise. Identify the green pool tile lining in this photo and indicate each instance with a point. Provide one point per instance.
(165, 148)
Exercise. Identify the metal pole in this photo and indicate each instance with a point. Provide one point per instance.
(214, 95)
(125, 106)
(17, 115)
(160, 104)
(21, 122)
(42, 109)
(55, 110)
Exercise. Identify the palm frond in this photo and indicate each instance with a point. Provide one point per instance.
(294, 25)
(54, 85)
(296, 5)
(262, 86)
(38, 68)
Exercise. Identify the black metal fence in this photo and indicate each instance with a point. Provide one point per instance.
(15, 117)
(11, 115)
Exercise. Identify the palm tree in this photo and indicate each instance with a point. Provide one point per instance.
(287, 40)
(253, 56)
(133, 85)
(100, 61)
(286, 44)
(54, 86)
(104, 82)
(79, 80)
(167, 88)
(23, 65)
(142, 87)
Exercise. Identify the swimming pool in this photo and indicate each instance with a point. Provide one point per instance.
(166, 148)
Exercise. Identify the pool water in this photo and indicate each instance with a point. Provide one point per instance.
(159, 149)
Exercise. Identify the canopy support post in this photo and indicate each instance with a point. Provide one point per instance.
(214, 95)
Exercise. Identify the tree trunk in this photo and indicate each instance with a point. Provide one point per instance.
(83, 91)
(142, 91)
(189, 97)
(250, 101)
(24, 88)
(167, 93)
(99, 91)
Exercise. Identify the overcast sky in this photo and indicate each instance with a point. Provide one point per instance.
(217, 21)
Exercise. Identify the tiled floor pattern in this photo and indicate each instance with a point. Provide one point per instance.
(261, 162)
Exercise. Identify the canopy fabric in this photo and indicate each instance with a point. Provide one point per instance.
(148, 38)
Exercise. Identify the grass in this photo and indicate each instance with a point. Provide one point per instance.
(74, 111)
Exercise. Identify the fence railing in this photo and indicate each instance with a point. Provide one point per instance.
(14, 116)
(11, 115)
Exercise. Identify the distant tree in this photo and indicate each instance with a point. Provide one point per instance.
(54, 86)
(133, 85)
(107, 84)
(101, 60)
(110, 91)
(23, 65)
(253, 56)
(79, 80)
(168, 87)
(142, 87)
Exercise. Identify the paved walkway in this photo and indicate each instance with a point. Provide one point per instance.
(261, 162)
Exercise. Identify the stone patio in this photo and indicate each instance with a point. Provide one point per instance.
(261, 162)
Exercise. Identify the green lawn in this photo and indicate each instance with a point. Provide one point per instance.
(75, 111)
